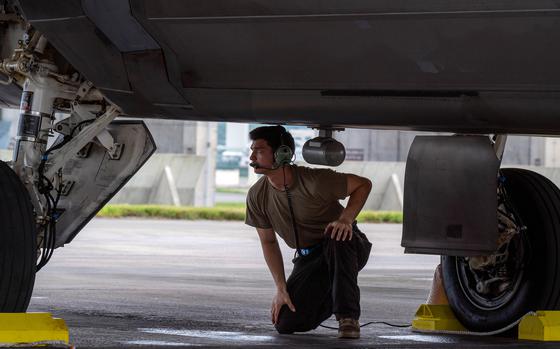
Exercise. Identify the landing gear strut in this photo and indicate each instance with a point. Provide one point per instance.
(70, 159)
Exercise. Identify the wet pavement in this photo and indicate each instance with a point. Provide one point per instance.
(159, 283)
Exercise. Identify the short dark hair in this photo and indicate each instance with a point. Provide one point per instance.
(274, 136)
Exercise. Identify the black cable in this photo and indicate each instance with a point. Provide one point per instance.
(371, 323)
(46, 239)
(80, 124)
(289, 196)
(49, 240)
(386, 323)
(45, 187)
(52, 242)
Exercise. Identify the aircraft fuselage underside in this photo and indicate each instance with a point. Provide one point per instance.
(434, 66)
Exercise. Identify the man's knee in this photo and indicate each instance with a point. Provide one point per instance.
(285, 321)
(290, 322)
(286, 325)
(282, 328)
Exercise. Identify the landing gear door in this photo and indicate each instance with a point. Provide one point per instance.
(93, 176)
(450, 199)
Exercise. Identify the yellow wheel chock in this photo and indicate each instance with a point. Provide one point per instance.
(543, 325)
(32, 329)
(436, 317)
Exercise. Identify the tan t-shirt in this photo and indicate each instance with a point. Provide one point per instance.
(315, 194)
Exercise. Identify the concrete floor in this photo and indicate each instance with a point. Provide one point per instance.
(158, 283)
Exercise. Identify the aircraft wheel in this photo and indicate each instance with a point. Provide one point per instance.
(490, 292)
(17, 243)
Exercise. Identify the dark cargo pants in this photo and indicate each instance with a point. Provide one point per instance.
(325, 282)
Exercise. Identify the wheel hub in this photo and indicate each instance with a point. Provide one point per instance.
(490, 282)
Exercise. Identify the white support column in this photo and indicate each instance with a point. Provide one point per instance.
(206, 142)
(552, 152)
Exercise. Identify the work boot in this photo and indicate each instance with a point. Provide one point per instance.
(348, 328)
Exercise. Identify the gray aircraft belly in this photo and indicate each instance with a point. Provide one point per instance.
(433, 65)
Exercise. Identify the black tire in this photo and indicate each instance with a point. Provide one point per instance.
(18, 253)
(537, 202)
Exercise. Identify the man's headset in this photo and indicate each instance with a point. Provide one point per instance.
(282, 156)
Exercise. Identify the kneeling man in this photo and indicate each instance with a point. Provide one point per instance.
(302, 206)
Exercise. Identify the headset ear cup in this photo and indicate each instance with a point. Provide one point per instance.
(283, 156)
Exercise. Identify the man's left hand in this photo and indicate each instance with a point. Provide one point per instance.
(339, 230)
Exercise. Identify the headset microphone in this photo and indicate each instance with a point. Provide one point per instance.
(256, 165)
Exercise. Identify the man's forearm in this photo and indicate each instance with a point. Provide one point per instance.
(273, 258)
(356, 202)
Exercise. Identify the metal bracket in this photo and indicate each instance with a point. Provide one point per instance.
(80, 113)
(116, 152)
(66, 187)
(83, 89)
(326, 131)
(60, 157)
(62, 127)
(107, 141)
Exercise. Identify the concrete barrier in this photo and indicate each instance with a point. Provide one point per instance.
(167, 179)
(387, 179)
